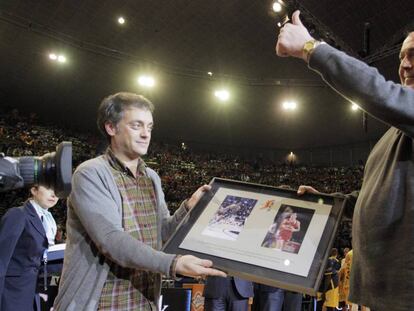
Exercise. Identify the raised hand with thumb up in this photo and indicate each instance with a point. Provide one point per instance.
(292, 38)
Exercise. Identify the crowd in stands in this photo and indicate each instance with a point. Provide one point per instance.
(181, 169)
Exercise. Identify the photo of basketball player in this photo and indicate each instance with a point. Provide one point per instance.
(229, 219)
(288, 229)
(285, 231)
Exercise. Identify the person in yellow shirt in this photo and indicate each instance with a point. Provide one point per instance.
(344, 276)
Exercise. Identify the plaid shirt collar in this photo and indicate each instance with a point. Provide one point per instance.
(120, 166)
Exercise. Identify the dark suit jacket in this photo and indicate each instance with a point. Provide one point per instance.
(22, 244)
(215, 287)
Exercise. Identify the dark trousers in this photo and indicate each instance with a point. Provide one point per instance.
(275, 300)
(229, 301)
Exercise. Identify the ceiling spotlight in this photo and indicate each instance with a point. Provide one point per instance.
(210, 73)
(61, 59)
(222, 95)
(121, 20)
(354, 107)
(289, 105)
(146, 81)
(277, 7)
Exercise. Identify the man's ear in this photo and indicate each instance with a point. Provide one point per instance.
(110, 128)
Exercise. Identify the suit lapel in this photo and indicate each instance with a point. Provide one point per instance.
(34, 218)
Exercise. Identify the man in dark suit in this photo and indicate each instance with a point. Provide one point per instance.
(23, 242)
(227, 294)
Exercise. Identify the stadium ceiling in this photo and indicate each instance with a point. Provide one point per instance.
(178, 42)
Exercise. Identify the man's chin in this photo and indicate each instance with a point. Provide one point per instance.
(409, 82)
(141, 152)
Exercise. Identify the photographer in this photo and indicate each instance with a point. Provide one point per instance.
(27, 231)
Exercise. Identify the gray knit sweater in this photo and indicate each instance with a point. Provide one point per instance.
(95, 234)
(382, 275)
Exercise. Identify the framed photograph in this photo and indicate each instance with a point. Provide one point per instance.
(264, 234)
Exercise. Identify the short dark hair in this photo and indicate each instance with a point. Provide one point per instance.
(407, 33)
(112, 108)
(334, 252)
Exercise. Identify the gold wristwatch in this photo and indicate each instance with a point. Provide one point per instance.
(309, 46)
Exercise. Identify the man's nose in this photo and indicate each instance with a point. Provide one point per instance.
(145, 132)
(406, 63)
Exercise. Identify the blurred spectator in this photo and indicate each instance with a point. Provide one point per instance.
(329, 289)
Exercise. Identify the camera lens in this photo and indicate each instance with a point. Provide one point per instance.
(52, 170)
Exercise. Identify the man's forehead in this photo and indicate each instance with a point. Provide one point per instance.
(408, 42)
(141, 109)
(136, 111)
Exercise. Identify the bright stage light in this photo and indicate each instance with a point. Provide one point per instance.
(277, 7)
(61, 59)
(146, 81)
(289, 105)
(222, 95)
(121, 20)
(354, 107)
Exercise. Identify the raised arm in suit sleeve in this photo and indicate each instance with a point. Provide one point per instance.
(353, 79)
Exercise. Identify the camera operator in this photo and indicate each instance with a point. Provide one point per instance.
(26, 232)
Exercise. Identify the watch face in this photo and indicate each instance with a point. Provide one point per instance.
(309, 46)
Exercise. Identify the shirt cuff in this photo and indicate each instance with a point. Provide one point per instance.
(173, 271)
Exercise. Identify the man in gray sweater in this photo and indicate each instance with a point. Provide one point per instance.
(118, 219)
(382, 275)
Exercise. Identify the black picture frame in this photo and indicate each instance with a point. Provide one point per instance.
(307, 284)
